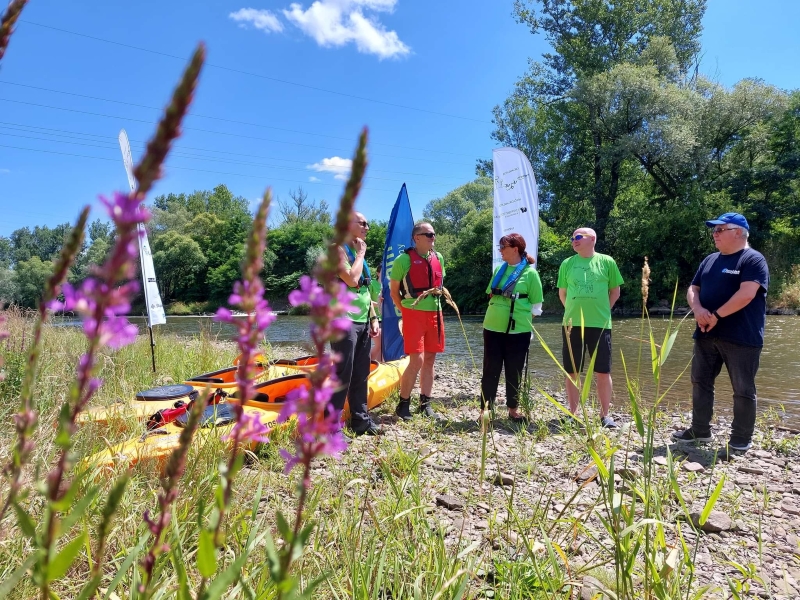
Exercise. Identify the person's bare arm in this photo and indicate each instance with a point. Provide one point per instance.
(353, 274)
(613, 296)
(701, 315)
(394, 292)
(562, 295)
(743, 296)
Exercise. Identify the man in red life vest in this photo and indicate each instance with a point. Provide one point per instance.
(419, 270)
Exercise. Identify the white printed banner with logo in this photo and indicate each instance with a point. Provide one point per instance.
(155, 309)
(516, 201)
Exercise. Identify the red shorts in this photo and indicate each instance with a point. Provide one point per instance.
(421, 331)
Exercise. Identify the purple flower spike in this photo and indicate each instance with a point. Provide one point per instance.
(249, 428)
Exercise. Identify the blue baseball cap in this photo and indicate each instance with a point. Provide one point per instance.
(729, 218)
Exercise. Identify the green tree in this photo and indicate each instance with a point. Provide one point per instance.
(178, 261)
(576, 159)
(43, 242)
(447, 214)
(8, 287)
(30, 277)
(376, 243)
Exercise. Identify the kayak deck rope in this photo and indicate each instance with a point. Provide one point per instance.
(443, 292)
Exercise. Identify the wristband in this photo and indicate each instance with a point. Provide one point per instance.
(716, 314)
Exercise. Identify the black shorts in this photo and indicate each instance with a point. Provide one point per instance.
(595, 338)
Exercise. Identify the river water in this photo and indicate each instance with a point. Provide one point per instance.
(778, 377)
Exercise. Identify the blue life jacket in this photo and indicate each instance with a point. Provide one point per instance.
(365, 278)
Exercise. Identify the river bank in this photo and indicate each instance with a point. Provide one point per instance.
(429, 508)
(542, 484)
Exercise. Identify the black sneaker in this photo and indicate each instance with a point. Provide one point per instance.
(371, 429)
(403, 410)
(740, 444)
(690, 435)
(426, 410)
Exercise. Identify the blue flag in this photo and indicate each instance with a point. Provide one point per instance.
(398, 238)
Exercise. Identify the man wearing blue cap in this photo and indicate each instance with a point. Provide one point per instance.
(728, 297)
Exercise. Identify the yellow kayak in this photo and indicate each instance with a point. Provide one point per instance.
(157, 444)
(149, 402)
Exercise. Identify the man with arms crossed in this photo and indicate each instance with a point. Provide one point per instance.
(353, 366)
(419, 269)
(588, 286)
(728, 297)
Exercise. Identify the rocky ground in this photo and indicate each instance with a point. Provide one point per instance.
(547, 475)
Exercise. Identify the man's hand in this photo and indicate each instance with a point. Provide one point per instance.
(704, 319)
(374, 328)
(360, 246)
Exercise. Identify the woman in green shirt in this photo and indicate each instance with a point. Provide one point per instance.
(515, 297)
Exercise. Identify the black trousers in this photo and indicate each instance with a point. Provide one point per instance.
(353, 371)
(500, 350)
(742, 364)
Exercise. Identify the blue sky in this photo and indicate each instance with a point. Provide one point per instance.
(290, 87)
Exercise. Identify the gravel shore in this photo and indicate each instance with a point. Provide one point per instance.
(756, 520)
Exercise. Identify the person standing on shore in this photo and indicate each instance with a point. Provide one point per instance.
(588, 286)
(728, 296)
(354, 363)
(515, 297)
(375, 292)
(416, 287)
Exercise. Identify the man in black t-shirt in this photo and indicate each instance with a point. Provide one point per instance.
(728, 297)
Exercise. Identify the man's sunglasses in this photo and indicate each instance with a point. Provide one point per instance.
(428, 234)
(362, 223)
(579, 237)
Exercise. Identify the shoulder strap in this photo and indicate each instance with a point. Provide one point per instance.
(365, 278)
(499, 276)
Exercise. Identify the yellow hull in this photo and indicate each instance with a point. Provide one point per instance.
(159, 443)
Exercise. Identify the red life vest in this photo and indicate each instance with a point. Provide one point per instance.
(424, 274)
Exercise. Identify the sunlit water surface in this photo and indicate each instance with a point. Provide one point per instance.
(778, 377)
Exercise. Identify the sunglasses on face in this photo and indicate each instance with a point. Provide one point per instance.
(362, 223)
(428, 235)
(579, 237)
(501, 248)
(721, 229)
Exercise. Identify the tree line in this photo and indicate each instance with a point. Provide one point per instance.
(625, 135)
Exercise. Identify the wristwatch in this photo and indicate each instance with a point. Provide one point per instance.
(716, 314)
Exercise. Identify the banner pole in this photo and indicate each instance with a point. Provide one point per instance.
(152, 348)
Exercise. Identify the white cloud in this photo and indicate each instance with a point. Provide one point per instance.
(5, 171)
(264, 20)
(340, 167)
(313, 179)
(340, 22)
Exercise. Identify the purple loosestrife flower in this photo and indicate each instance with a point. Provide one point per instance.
(249, 428)
(318, 423)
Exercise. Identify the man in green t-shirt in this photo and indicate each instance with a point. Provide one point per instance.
(588, 286)
(415, 283)
(353, 367)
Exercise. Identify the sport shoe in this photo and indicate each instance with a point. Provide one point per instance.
(739, 444)
(371, 429)
(608, 423)
(426, 410)
(690, 435)
(403, 409)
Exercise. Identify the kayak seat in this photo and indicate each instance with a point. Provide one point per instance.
(215, 415)
(165, 392)
(208, 380)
